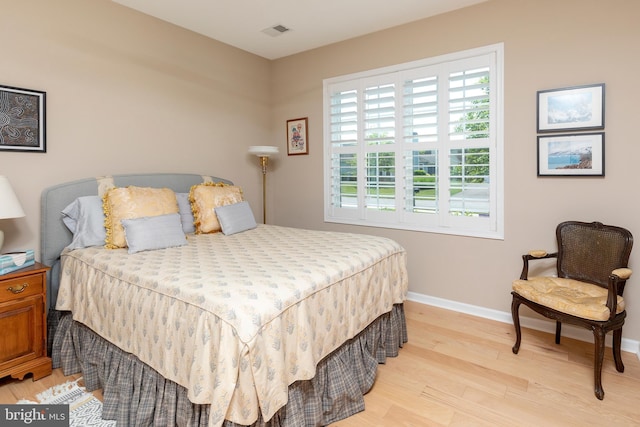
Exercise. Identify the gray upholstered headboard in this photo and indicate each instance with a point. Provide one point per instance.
(54, 235)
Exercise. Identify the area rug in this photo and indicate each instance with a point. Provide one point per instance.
(84, 408)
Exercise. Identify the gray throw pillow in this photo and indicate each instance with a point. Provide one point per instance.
(153, 232)
(235, 218)
(186, 214)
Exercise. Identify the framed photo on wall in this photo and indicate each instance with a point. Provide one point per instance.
(571, 155)
(571, 109)
(297, 136)
(22, 119)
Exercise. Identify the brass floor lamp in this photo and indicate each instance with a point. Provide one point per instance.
(263, 152)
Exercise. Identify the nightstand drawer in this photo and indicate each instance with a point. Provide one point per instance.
(21, 287)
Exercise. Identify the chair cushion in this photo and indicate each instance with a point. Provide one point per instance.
(569, 296)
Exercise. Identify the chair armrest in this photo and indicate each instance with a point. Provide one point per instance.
(538, 253)
(617, 280)
(623, 273)
(534, 255)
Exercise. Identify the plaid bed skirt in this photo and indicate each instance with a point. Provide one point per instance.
(137, 395)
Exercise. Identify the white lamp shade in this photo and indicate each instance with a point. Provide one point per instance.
(263, 150)
(9, 205)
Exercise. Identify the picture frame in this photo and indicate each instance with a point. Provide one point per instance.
(571, 109)
(23, 127)
(297, 136)
(571, 154)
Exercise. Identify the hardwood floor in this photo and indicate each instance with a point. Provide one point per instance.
(458, 370)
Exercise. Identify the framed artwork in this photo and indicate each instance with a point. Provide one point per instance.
(571, 109)
(297, 136)
(22, 119)
(571, 155)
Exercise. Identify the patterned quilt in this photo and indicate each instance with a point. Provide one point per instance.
(236, 319)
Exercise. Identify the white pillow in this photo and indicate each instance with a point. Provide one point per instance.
(235, 218)
(153, 232)
(84, 217)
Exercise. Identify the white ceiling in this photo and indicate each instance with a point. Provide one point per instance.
(312, 23)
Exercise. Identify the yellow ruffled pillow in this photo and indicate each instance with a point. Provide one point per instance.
(133, 202)
(205, 198)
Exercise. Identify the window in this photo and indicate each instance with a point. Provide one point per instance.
(418, 146)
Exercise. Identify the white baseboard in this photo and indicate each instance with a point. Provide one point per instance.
(631, 346)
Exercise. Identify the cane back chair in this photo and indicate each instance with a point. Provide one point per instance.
(591, 268)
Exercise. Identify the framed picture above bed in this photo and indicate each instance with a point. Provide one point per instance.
(22, 119)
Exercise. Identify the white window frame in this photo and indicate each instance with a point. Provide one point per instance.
(491, 226)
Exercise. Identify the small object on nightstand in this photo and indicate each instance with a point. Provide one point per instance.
(23, 324)
(13, 261)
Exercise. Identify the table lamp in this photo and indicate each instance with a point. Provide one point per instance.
(263, 152)
(9, 204)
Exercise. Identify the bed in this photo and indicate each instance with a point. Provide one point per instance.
(258, 325)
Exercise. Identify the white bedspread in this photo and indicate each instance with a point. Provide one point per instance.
(236, 319)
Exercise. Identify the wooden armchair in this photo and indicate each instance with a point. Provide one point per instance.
(591, 274)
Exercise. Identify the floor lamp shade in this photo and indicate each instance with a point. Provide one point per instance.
(263, 150)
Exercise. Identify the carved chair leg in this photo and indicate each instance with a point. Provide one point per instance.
(617, 342)
(515, 305)
(558, 330)
(599, 335)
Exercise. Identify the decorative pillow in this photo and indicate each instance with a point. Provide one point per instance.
(205, 198)
(84, 217)
(153, 232)
(235, 218)
(186, 214)
(133, 202)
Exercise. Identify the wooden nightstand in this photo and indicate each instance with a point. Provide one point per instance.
(23, 324)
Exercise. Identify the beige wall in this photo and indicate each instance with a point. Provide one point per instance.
(548, 44)
(127, 93)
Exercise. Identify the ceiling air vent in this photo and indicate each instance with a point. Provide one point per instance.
(276, 30)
